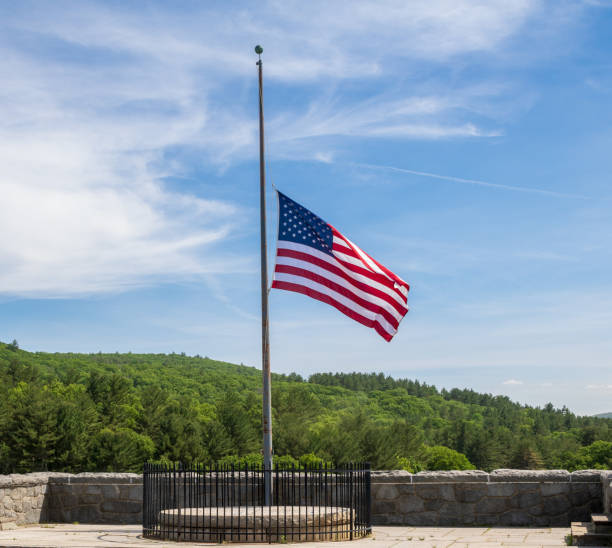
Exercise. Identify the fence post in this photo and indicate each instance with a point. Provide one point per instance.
(351, 499)
(368, 501)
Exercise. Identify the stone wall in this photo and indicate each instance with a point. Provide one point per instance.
(23, 499)
(69, 498)
(95, 498)
(606, 480)
(503, 497)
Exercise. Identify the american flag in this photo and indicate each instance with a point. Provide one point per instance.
(314, 259)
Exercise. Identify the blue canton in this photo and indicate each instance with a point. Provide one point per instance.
(298, 224)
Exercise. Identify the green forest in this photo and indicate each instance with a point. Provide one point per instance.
(111, 412)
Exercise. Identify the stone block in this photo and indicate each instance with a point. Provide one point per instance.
(586, 476)
(90, 489)
(384, 491)
(33, 516)
(507, 475)
(516, 518)
(535, 510)
(456, 513)
(110, 492)
(580, 513)
(501, 489)
(396, 519)
(513, 502)
(105, 477)
(495, 505)
(391, 476)
(410, 504)
(422, 518)
(559, 521)
(109, 517)
(470, 492)
(555, 505)
(486, 519)
(86, 514)
(68, 501)
(541, 521)
(433, 504)
(579, 494)
(135, 492)
(435, 492)
(119, 506)
(405, 490)
(451, 476)
(548, 489)
(22, 480)
(527, 487)
(384, 507)
(594, 490)
(26, 504)
(527, 500)
(84, 498)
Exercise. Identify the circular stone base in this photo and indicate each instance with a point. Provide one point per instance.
(255, 524)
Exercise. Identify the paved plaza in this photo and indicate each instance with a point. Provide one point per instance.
(82, 536)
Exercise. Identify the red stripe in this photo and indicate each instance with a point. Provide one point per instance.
(368, 305)
(281, 252)
(348, 250)
(365, 270)
(329, 300)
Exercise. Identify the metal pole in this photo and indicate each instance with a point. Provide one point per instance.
(265, 337)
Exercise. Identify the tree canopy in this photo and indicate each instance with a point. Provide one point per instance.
(111, 412)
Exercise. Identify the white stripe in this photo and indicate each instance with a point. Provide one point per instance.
(358, 262)
(305, 265)
(399, 298)
(299, 280)
(349, 259)
(365, 259)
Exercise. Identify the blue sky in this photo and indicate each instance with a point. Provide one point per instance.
(465, 145)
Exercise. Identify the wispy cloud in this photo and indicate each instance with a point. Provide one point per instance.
(98, 98)
(512, 382)
(427, 116)
(472, 181)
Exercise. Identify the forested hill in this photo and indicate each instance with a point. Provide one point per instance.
(75, 412)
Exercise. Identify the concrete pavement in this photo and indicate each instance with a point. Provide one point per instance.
(127, 536)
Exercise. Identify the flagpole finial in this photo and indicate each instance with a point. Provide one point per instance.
(258, 49)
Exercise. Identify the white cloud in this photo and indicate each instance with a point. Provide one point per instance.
(302, 41)
(95, 97)
(512, 382)
(83, 199)
(472, 182)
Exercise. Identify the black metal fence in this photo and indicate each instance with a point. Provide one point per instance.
(226, 503)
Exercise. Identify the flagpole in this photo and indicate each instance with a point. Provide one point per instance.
(265, 336)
